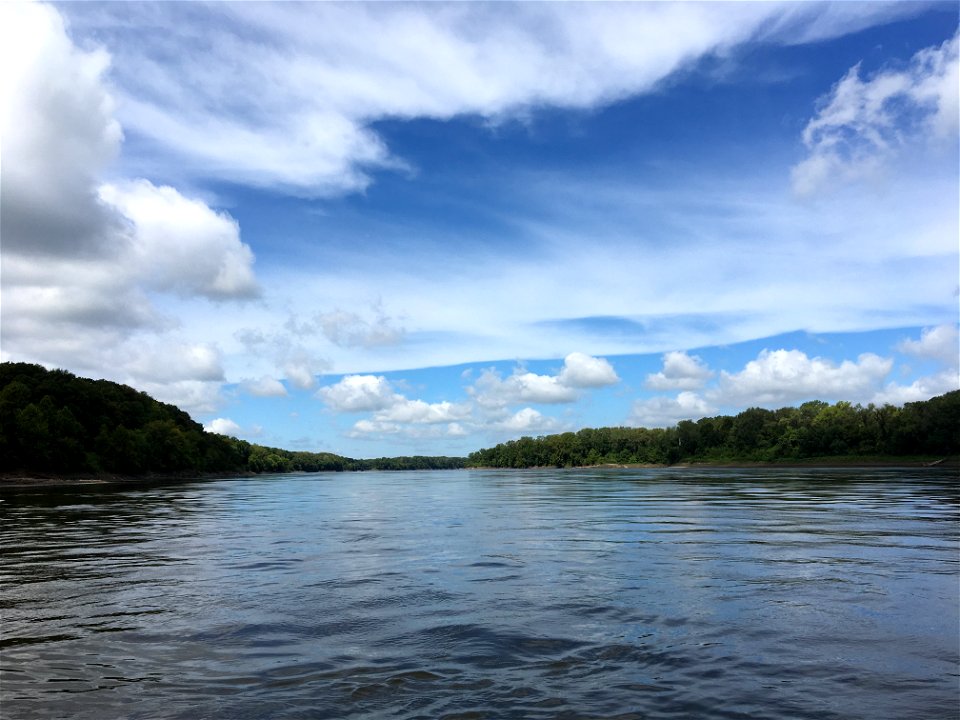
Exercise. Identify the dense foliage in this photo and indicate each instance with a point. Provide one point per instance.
(54, 422)
(813, 430)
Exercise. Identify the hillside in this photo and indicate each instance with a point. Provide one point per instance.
(53, 422)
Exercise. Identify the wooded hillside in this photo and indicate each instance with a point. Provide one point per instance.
(53, 422)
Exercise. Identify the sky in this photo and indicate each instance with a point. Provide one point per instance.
(391, 229)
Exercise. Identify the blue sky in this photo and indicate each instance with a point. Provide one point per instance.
(382, 229)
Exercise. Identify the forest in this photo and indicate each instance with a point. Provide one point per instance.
(53, 422)
(815, 430)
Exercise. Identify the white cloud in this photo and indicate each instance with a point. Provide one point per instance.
(281, 95)
(665, 411)
(223, 426)
(939, 343)
(302, 373)
(181, 245)
(861, 124)
(456, 430)
(393, 414)
(491, 391)
(582, 371)
(359, 393)
(528, 420)
(196, 397)
(377, 428)
(417, 411)
(579, 371)
(680, 372)
(265, 387)
(82, 261)
(159, 363)
(59, 134)
(348, 329)
(788, 376)
(923, 388)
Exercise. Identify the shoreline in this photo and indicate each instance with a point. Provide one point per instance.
(48, 481)
(44, 481)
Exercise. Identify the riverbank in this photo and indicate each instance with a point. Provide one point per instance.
(825, 462)
(27, 481)
(22, 481)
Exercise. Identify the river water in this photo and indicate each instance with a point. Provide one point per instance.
(663, 593)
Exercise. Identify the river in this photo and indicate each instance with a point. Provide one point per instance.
(647, 593)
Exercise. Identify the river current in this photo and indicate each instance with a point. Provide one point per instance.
(762, 593)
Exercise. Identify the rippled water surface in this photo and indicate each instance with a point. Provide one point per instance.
(487, 594)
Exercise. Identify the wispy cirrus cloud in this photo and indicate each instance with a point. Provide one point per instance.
(297, 107)
(862, 124)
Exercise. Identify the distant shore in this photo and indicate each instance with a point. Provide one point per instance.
(951, 462)
(38, 481)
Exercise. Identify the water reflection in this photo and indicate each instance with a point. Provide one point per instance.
(615, 593)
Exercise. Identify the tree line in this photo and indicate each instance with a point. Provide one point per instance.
(54, 422)
(814, 430)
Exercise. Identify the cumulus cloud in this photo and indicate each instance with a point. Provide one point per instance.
(666, 411)
(393, 413)
(579, 372)
(582, 371)
(196, 397)
(371, 428)
(680, 372)
(923, 388)
(181, 245)
(83, 260)
(172, 362)
(59, 134)
(223, 426)
(528, 420)
(862, 123)
(265, 387)
(417, 411)
(302, 371)
(492, 391)
(937, 343)
(359, 393)
(788, 376)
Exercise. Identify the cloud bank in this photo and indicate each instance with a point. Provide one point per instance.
(81, 257)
